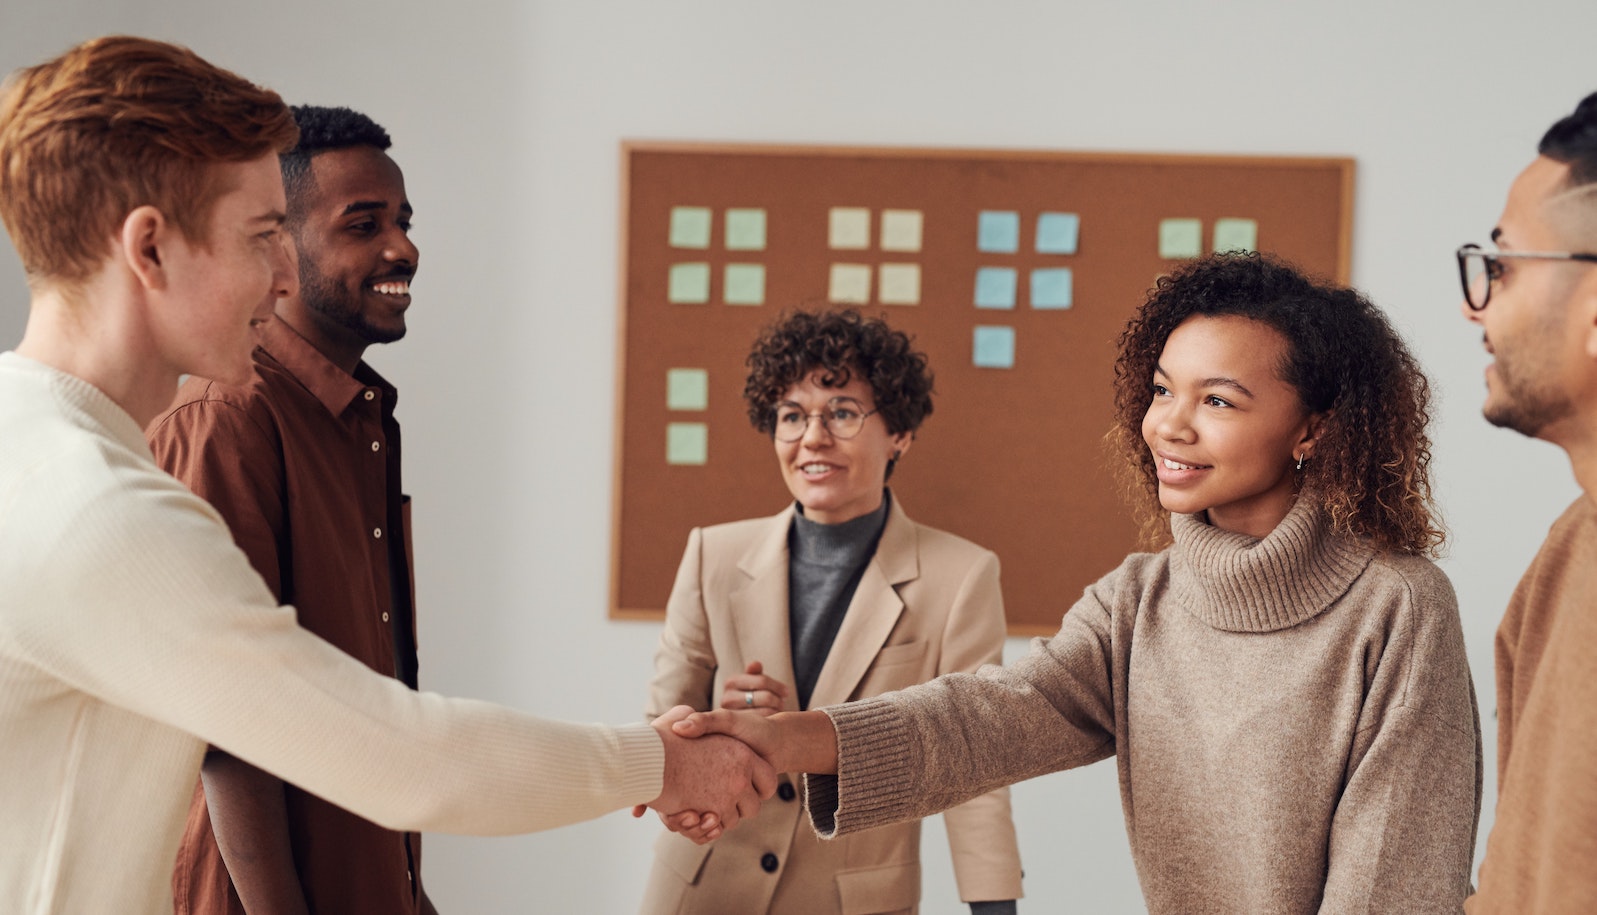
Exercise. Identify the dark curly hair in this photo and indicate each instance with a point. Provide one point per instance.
(320, 129)
(1370, 469)
(1573, 141)
(839, 344)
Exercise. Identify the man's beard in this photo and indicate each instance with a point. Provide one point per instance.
(333, 302)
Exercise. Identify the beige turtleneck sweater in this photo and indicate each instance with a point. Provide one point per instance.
(1292, 719)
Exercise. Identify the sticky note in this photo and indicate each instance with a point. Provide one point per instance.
(1057, 233)
(998, 231)
(994, 347)
(1050, 288)
(687, 389)
(690, 227)
(745, 230)
(900, 284)
(745, 284)
(686, 443)
(1236, 235)
(850, 284)
(995, 287)
(901, 230)
(689, 283)
(1180, 238)
(849, 228)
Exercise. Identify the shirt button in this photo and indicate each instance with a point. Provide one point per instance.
(768, 863)
(785, 791)
(376, 445)
(377, 532)
(385, 616)
(371, 395)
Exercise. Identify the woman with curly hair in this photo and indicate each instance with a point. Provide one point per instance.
(837, 597)
(1283, 685)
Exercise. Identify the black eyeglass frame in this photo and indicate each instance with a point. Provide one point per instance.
(1465, 252)
(825, 416)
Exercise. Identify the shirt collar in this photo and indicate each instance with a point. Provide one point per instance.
(331, 385)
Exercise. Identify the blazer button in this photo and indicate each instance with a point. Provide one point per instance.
(768, 863)
(785, 791)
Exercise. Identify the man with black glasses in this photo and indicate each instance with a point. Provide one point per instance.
(1535, 296)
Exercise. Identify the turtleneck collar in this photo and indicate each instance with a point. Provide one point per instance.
(1240, 583)
(842, 544)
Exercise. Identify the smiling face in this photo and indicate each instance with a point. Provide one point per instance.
(352, 234)
(1225, 430)
(1532, 324)
(835, 479)
(216, 290)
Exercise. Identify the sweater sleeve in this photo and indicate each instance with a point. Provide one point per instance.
(981, 831)
(145, 603)
(918, 751)
(1403, 834)
(685, 662)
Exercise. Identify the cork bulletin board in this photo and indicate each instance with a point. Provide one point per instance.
(1014, 271)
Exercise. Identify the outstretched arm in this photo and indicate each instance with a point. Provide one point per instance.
(789, 741)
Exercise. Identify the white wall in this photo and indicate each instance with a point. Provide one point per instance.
(507, 118)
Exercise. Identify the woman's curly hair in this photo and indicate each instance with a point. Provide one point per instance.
(838, 344)
(1370, 469)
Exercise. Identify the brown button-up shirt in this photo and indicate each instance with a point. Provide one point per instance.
(303, 462)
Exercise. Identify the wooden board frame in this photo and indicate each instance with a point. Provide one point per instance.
(1012, 458)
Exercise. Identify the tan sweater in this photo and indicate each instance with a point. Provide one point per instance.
(1542, 854)
(133, 632)
(1292, 719)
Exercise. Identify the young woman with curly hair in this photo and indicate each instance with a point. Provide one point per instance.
(838, 596)
(1283, 686)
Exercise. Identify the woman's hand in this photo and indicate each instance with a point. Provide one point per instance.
(753, 690)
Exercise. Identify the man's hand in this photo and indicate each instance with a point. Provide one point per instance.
(752, 689)
(712, 775)
(789, 741)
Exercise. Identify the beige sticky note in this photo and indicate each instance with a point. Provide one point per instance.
(901, 230)
(1180, 238)
(1236, 235)
(850, 284)
(687, 443)
(849, 228)
(900, 284)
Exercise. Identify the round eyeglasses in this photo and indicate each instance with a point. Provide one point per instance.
(1478, 269)
(842, 417)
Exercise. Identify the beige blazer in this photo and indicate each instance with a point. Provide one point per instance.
(928, 604)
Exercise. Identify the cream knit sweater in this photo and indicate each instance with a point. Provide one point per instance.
(1292, 718)
(133, 633)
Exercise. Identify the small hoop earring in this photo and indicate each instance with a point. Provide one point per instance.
(1300, 461)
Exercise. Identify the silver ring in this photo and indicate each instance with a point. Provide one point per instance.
(748, 699)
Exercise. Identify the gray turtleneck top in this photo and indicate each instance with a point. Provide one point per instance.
(825, 564)
(1292, 719)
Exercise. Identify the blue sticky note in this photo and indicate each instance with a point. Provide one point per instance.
(690, 283)
(1057, 233)
(994, 347)
(998, 231)
(745, 284)
(690, 227)
(687, 443)
(995, 287)
(1050, 288)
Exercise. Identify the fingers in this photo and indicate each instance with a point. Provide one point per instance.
(638, 810)
(763, 778)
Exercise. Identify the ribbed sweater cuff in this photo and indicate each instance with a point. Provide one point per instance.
(877, 758)
(642, 760)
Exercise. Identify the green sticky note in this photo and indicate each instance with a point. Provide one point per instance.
(745, 230)
(690, 227)
(690, 283)
(745, 284)
(687, 389)
(687, 443)
(1236, 235)
(1180, 238)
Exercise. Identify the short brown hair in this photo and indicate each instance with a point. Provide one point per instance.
(114, 124)
(839, 343)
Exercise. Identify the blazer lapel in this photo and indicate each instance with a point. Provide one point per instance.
(759, 609)
(872, 613)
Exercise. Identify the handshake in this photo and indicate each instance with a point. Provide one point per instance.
(720, 765)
